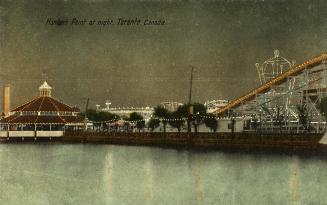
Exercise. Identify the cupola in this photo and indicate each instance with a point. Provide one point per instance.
(45, 90)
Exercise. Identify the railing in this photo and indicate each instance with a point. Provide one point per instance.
(5, 134)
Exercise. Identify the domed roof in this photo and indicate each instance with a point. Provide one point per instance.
(44, 103)
(44, 109)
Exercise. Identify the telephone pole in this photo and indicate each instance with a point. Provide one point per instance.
(190, 108)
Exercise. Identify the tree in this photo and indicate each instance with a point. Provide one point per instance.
(99, 117)
(211, 122)
(176, 120)
(153, 124)
(197, 115)
(163, 113)
(140, 123)
(106, 116)
(303, 116)
(90, 114)
(181, 112)
(199, 110)
(323, 107)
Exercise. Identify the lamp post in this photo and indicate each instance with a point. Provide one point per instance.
(85, 117)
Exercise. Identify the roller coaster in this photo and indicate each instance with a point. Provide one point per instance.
(287, 100)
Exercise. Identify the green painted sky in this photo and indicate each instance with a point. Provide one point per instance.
(145, 65)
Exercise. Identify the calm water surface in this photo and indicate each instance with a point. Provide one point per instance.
(107, 174)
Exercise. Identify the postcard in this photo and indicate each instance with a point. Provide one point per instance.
(163, 102)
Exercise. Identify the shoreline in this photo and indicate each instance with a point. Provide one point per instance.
(249, 142)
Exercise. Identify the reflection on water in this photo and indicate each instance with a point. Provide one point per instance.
(107, 174)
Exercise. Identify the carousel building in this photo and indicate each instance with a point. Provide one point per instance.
(43, 116)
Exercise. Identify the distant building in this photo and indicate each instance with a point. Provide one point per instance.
(146, 112)
(171, 106)
(43, 116)
(214, 105)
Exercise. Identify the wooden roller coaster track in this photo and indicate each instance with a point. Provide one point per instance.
(293, 71)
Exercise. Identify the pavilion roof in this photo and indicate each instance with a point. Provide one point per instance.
(44, 103)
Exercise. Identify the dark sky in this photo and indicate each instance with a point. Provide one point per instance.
(145, 65)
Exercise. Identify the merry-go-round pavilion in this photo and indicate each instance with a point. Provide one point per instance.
(42, 116)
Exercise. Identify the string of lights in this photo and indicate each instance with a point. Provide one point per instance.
(155, 118)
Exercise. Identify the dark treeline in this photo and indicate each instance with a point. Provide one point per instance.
(196, 114)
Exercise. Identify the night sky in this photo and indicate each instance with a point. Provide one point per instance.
(145, 65)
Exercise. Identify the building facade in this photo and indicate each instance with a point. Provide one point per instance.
(171, 106)
(122, 112)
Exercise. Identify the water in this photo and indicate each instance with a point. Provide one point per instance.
(107, 174)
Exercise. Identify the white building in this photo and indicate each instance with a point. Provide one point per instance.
(171, 106)
(214, 105)
(146, 112)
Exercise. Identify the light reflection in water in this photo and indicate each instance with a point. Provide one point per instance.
(105, 174)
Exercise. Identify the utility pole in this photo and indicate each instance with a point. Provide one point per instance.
(190, 108)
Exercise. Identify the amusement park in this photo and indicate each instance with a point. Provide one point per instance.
(291, 98)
